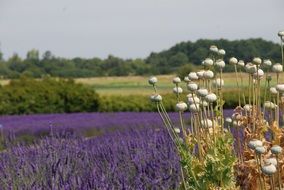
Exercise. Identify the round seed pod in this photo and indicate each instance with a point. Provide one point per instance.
(247, 107)
(268, 169)
(277, 68)
(241, 63)
(214, 49)
(250, 68)
(206, 123)
(271, 161)
(156, 98)
(193, 100)
(220, 63)
(260, 150)
(233, 61)
(267, 62)
(208, 74)
(270, 105)
(153, 80)
(259, 74)
(176, 80)
(192, 76)
(257, 61)
(177, 130)
(276, 149)
(254, 143)
(186, 79)
(211, 97)
(218, 83)
(177, 90)
(221, 52)
(181, 106)
(208, 62)
(228, 120)
(200, 74)
(202, 92)
(192, 86)
(194, 107)
(280, 88)
(203, 103)
(281, 34)
(273, 90)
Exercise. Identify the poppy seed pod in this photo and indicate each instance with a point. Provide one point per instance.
(200, 74)
(267, 62)
(280, 88)
(156, 98)
(202, 92)
(259, 74)
(276, 149)
(254, 143)
(257, 61)
(277, 68)
(208, 62)
(211, 97)
(281, 34)
(176, 80)
(268, 169)
(177, 130)
(221, 52)
(228, 120)
(220, 63)
(208, 74)
(241, 63)
(193, 100)
(177, 90)
(192, 76)
(203, 103)
(269, 105)
(250, 68)
(271, 161)
(247, 107)
(273, 90)
(153, 80)
(206, 123)
(192, 86)
(181, 106)
(194, 107)
(218, 83)
(214, 49)
(186, 79)
(260, 150)
(233, 61)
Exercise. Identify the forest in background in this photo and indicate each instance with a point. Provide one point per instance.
(183, 57)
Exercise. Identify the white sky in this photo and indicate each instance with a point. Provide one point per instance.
(130, 28)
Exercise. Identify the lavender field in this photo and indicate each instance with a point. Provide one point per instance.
(88, 151)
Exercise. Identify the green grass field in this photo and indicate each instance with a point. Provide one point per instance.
(139, 84)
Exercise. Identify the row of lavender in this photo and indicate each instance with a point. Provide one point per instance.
(136, 154)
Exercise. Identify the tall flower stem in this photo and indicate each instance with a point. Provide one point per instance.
(237, 81)
(279, 172)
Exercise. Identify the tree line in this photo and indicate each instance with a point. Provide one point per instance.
(183, 57)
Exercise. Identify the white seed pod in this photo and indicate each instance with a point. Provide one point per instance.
(276, 149)
(280, 88)
(208, 74)
(271, 161)
(191, 86)
(228, 120)
(250, 68)
(200, 74)
(177, 90)
(267, 62)
(177, 130)
(236, 124)
(203, 103)
(257, 61)
(194, 107)
(221, 52)
(192, 76)
(202, 92)
(259, 74)
(156, 98)
(277, 68)
(176, 80)
(268, 169)
(273, 90)
(220, 64)
(260, 150)
(214, 49)
(153, 80)
(218, 83)
(193, 100)
(241, 63)
(281, 34)
(181, 106)
(247, 107)
(211, 97)
(254, 143)
(237, 116)
(186, 79)
(270, 105)
(233, 61)
(206, 123)
(208, 62)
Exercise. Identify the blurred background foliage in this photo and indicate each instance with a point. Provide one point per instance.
(182, 58)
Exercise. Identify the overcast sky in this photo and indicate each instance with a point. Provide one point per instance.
(130, 28)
